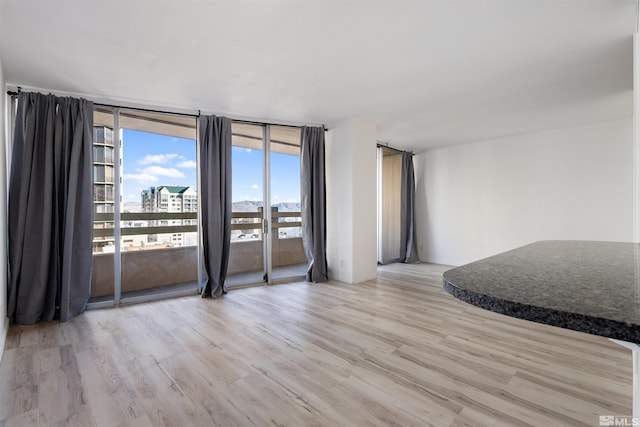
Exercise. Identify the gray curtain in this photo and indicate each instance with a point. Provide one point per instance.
(314, 205)
(215, 185)
(50, 209)
(408, 251)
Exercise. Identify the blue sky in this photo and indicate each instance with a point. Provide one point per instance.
(151, 160)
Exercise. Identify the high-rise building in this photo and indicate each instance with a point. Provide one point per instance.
(103, 182)
(172, 199)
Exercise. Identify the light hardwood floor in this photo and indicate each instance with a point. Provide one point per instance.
(394, 351)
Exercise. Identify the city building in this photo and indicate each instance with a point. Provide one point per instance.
(104, 157)
(171, 199)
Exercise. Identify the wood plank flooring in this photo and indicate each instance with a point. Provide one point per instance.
(394, 351)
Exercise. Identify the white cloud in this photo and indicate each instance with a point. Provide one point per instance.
(143, 179)
(157, 158)
(162, 171)
(255, 187)
(151, 175)
(187, 164)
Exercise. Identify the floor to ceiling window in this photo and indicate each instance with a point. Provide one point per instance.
(146, 237)
(146, 205)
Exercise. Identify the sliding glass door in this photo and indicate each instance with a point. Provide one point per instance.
(288, 259)
(247, 254)
(266, 242)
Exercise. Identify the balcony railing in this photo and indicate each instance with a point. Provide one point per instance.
(168, 266)
(155, 217)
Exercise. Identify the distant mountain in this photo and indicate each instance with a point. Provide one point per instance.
(246, 206)
(251, 206)
(288, 207)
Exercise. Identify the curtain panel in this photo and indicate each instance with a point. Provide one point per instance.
(314, 202)
(50, 209)
(408, 251)
(215, 185)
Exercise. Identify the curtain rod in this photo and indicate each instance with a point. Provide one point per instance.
(14, 94)
(252, 122)
(149, 110)
(388, 147)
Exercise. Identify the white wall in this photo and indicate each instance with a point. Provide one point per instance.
(4, 118)
(351, 201)
(339, 203)
(479, 199)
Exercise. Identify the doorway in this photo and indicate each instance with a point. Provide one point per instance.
(389, 202)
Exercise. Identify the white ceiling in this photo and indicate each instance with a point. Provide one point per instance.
(428, 73)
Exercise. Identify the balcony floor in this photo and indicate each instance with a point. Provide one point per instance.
(278, 273)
